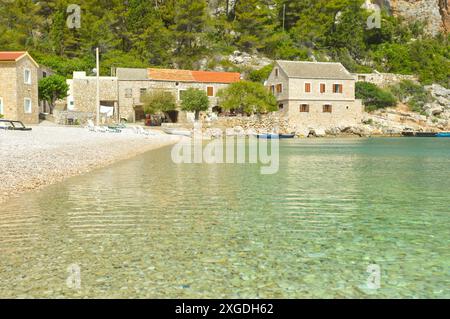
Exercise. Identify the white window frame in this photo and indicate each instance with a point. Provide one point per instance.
(2, 108)
(25, 80)
(24, 105)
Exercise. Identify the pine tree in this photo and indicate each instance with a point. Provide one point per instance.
(256, 22)
(189, 25)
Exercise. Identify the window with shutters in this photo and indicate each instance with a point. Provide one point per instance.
(322, 87)
(308, 87)
(210, 91)
(279, 88)
(337, 88)
(304, 108)
(327, 108)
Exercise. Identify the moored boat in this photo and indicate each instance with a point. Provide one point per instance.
(443, 134)
(275, 136)
(425, 134)
(175, 131)
(410, 133)
(268, 136)
(287, 135)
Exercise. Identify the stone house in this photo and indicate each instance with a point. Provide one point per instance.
(124, 91)
(134, 83)
(82, 97)
(315, 95)
(19, 87)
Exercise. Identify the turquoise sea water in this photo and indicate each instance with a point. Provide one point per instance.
(149, 228)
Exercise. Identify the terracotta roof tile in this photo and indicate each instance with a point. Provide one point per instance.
(10, 56)
(170, 75)
(216, 77)
(193, 76)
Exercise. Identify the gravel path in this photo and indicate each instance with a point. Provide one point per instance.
(46, 155)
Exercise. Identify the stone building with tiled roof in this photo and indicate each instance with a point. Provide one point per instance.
(19, 87)
(314, 95)
(123, 92)
(134, 83)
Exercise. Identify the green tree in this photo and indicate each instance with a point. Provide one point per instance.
(261, 75)
(247, 97)
(188, 31)
(255, 23)
(194, 100)
(157, 101)
(52, 88)
(374, 97)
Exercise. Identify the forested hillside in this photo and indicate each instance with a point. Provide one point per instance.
(181, 33)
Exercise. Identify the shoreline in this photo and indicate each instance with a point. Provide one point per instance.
(48, 155)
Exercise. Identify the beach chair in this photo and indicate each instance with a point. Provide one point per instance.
(114, 129)
(93, 128)
(90, 126)
(13, 125)
(143, 131)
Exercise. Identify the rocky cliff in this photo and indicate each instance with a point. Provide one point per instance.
(434, 13)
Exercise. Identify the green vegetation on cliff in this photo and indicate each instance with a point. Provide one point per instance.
(374, 97)
(183, 33)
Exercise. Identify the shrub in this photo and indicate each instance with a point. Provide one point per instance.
(195, 100)
(261, 75)
(157, 101)
(413, 94)
(374, 97)
(247, 97)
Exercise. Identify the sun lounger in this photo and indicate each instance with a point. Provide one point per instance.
(114, 129)
(13, 125)
(93, 128)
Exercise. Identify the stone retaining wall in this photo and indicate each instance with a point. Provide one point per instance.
(383, 79)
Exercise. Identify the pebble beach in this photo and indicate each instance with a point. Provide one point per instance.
(47, 155)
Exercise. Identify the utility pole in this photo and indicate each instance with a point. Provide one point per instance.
(98, 86)
(284, 15)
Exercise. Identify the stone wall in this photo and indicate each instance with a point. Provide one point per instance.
(127, 102)
(383, 79)
(258, 123)
(84, 92)
(14, 90)
(343, 113)
(62, 117)
(27, 91)
(8, 93)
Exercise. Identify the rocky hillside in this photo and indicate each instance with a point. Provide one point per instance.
(434, 13)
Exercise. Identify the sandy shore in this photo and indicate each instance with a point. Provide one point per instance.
(46, 155)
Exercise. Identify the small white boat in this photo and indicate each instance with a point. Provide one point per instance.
(176, 131)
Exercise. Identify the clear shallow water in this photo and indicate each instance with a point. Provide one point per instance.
(149, 228)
